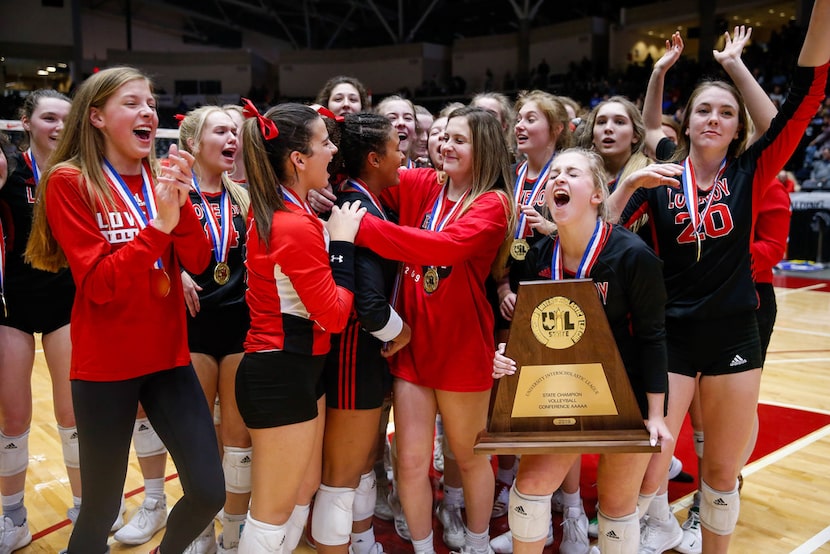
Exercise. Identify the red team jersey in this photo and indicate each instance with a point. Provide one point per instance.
(120, 329)
(452, 327)
(294, 300)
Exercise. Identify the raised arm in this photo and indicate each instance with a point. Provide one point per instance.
(761, 109)
(816, 48)
(653, 103)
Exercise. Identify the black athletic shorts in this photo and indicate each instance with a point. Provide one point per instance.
(714, 347)
(356, 375)
(765, 314)
(278, 388)
(46, 311)
(219, 331)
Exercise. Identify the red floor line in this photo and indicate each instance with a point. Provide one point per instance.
(61, 524)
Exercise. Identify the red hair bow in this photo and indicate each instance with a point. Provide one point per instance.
(266, 126)
(180, 117)
(325, 112)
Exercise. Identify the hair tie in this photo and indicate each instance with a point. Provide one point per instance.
(325, 112)
(180, 117)
(266, 126)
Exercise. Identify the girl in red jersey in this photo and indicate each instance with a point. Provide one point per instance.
(633, 298)
(33, 302)
(300, 290)
(124, 228)
(706, 252)
(450, 237)
(356, 373)
(217, 314)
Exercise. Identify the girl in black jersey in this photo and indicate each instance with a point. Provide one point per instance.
(217, 313)
(356, 374)
(34, 302)
(710, 319)
(629, 274)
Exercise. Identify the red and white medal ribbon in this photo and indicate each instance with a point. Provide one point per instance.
(433, 224)
(220, 231)
(3, 270)
(599, 237)
(521, 178)
(690, 190)
(30, 160)
(117, 183)
(290, 196)
(359, 186)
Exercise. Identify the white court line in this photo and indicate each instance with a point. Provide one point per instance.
(802, 331)
(797, 361)
(781, 291)
(817, 540)
(794, 407)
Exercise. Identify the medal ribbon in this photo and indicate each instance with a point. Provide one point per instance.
(30, 159)
(599, 237)
(2, 268)
(690, 192)
(220, 231)
(521, 178)
(438, 207)
(359, 186)
(290, 196)
(129, 199)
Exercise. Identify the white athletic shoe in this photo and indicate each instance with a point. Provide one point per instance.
(557, 503)
(438, 454)
(467, 550)
(204, 543)
(73, 512)
(146, 521)
(13, 537)
(503, 544)
(382, 508)
(220, 547)
(692, 542)
(450, 517)
(401, 526)
(501, 499)
(658, 536)
(574, 531)
(376, 548)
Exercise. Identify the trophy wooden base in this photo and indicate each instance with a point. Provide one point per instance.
(577, 442)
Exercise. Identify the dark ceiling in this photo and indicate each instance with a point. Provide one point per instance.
(352, 23)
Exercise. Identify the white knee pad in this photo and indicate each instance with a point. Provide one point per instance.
(294, 527)
(445, 447)
(331, 523)
(69, 445)
(259, 536)
(529, 515)
(146, 440)
(719, 509)
(619, 535)
(14, 454)
(697, 438)
(236, 464)
(365, 496)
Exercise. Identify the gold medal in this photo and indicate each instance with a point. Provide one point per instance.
(431, 280)
(518, 250)
(159, 282)
(221, 273)
(697, 242)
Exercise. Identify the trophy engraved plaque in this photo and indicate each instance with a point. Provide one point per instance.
(571, 392)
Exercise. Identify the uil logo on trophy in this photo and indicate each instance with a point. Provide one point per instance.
(558, 322)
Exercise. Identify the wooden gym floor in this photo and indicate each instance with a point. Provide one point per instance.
(785, 502)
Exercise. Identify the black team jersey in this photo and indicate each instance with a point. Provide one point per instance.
(17, 202)
(629, 282)
(720, 283)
